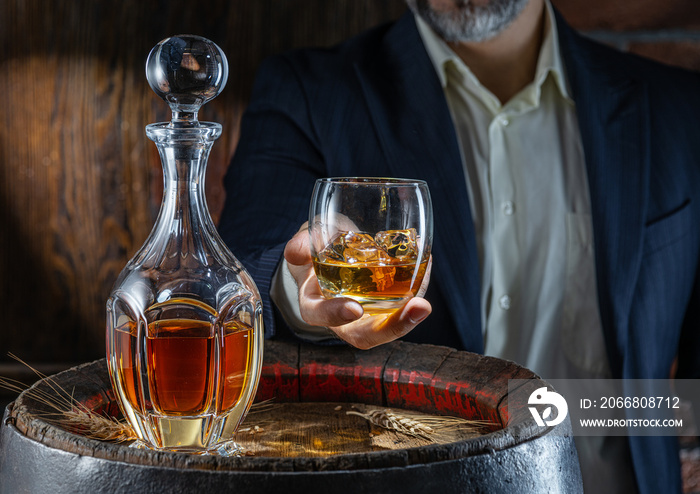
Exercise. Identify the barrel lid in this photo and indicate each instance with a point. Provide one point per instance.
(426, 378)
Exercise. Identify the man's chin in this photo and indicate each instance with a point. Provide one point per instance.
(467, 22)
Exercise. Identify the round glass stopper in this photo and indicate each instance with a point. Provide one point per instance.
(186, 71)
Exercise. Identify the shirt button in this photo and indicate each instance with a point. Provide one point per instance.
(508, 208)
(504, 302)
(504, 121)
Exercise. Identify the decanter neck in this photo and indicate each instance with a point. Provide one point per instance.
(184, 150)
(184, 153)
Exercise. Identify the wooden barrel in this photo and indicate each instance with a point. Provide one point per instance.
(515, 456)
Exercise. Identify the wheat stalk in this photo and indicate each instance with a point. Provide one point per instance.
(69, 413)
(72, 415)
(429, 427)
(392, 421)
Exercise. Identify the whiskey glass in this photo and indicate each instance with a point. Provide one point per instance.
(371, 239)
(184, 319)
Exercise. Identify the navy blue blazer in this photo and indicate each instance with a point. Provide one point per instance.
(373, 106)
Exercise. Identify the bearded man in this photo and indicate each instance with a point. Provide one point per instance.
(566, 198)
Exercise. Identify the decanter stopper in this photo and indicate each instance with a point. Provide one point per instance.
(187, 71)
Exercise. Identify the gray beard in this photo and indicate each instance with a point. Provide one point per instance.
(467, 22)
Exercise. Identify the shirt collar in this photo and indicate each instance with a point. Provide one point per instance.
(549, 61)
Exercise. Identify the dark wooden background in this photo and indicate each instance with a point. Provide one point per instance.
(80, 184)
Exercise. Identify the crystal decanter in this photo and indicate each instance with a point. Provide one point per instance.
(184, 319)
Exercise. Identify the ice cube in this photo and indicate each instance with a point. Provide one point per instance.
(399, 244)
(383, 277)
(353, 247)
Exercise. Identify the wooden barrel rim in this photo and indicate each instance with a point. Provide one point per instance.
(402, 375)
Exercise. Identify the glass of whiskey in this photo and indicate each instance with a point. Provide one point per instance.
(371, 239)
(184, 318)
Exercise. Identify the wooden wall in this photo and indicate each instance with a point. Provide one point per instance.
(80, 184)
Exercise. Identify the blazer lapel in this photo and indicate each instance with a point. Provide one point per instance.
(415, 128)
(613, 119)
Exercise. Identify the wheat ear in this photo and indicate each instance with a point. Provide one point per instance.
(429, 427)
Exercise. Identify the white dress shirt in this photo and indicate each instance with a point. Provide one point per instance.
(525, 171)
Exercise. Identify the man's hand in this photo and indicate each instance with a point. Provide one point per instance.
(344, 316)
